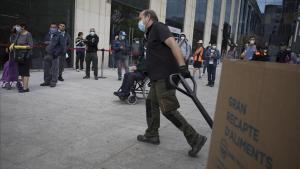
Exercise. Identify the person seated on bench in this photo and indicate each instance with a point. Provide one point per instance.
(136, 73)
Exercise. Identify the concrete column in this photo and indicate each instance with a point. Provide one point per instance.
(94, 14)
(160, 8)
(208, 22)
(189, 19)
(221, 24)
(237, 20)
(232, 15)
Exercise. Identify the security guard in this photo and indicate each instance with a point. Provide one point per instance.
(163, 59)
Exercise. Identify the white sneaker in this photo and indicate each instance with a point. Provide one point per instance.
(77, 70)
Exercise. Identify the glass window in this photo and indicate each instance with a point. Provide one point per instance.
(137, 4)
(199, 21)
(37, 15)
(175, 13)
(124, 14)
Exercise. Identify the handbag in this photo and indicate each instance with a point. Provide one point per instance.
(20, 55)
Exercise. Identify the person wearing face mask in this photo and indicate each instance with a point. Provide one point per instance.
(91, 42)
(250, 49)
(66, 44)
(198, 58)
(115, 48)
(204, 61)
(80, 51)
(211, 60)
(54, 49)
(122, 54)
(22, 48)
(232, 53)
(185, 48)
(10, 67)
(163, 58)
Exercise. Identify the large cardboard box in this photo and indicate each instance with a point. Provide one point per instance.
(257, 118)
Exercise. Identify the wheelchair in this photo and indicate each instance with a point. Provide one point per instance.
(140, 88)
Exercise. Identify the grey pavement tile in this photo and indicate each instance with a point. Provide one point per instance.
(80, 124)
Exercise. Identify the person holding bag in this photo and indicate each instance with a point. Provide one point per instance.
(21, 49)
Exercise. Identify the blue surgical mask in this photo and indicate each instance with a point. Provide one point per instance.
(122, 37)
(141, 26)
(52, 30)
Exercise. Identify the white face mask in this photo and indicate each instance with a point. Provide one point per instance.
(214, 47)
(92, 33)
(252, 41)
(142, 26)
(182, 38)
(18, 28)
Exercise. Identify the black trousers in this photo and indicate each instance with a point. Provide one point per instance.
(129, 79)
(211, 70)
(79, 60)
(91, 58)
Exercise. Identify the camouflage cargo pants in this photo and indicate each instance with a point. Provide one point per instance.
(162, 97)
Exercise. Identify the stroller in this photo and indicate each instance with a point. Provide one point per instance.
(10, 74)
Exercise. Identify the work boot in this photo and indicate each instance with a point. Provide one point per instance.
(152, 140)
(116, 93)
(197, 146)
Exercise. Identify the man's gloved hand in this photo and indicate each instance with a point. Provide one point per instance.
(185, 71)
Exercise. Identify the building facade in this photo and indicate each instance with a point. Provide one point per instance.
(289, 24)
(250, 22)
(209, 20)
(272, 17)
